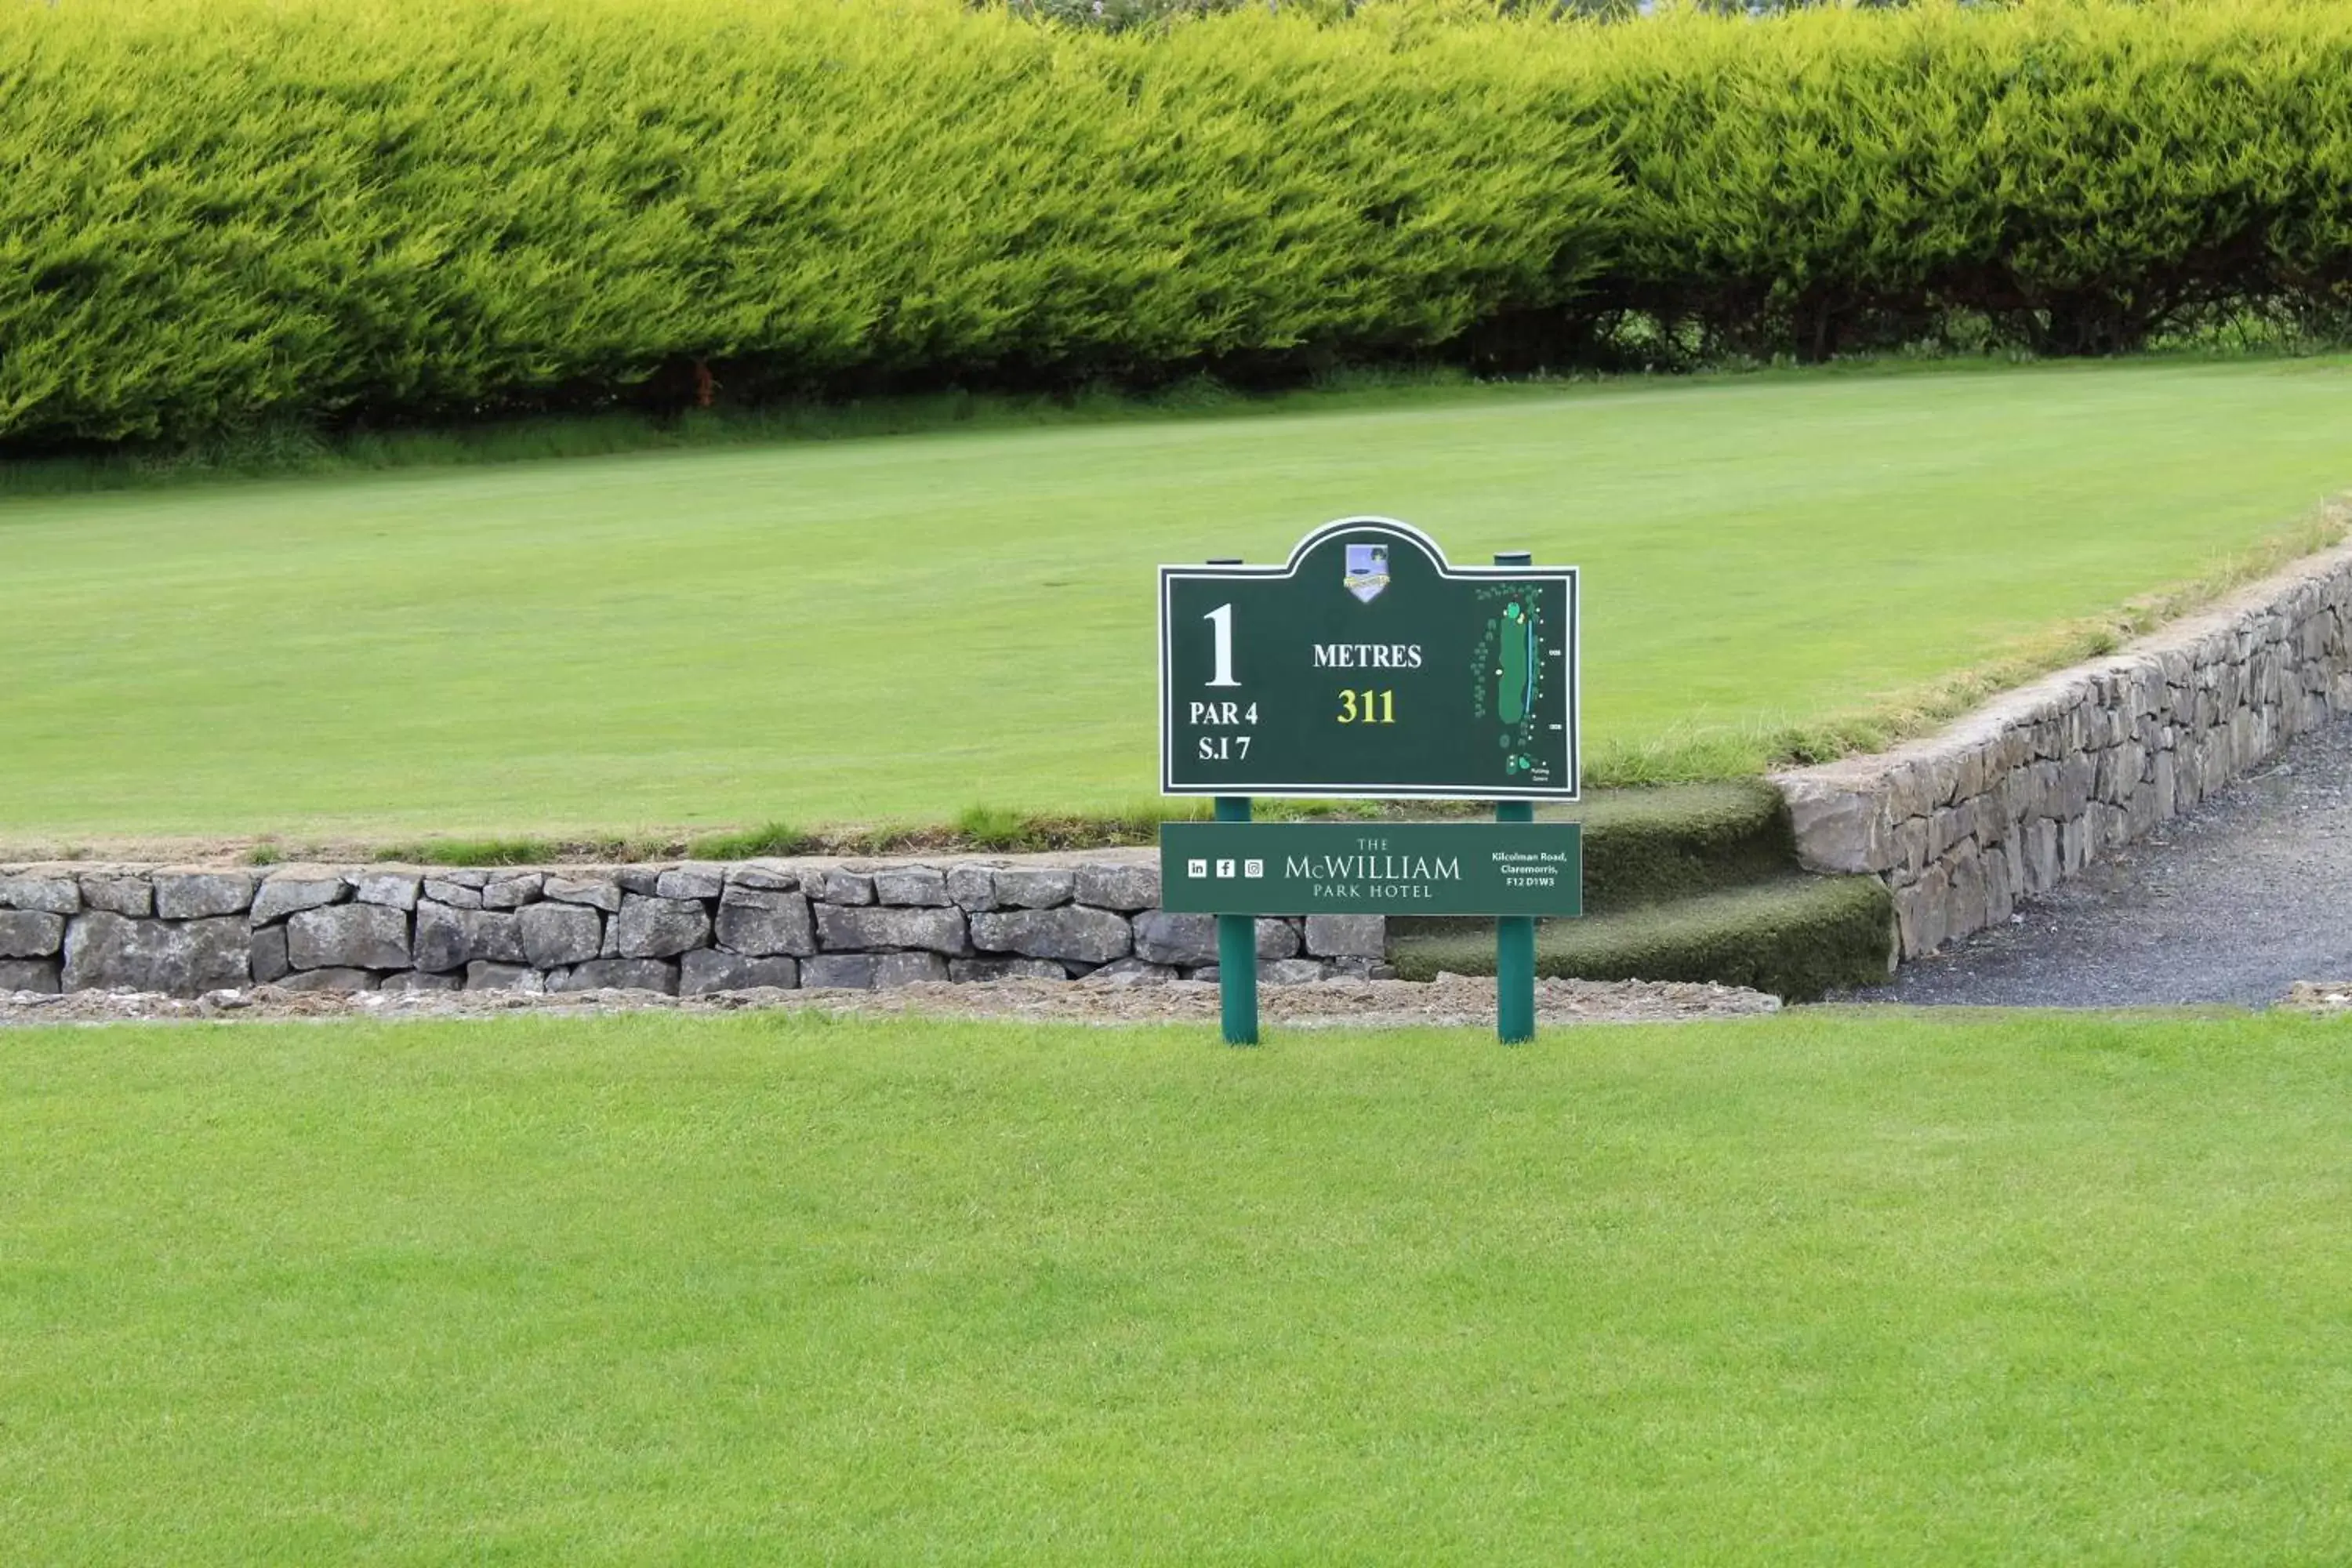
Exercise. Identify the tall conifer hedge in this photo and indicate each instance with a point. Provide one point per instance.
(216, 213)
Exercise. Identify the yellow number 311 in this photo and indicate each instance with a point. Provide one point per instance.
(1367, 707)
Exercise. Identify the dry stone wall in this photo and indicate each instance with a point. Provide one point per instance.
(2028, 791)
(683, 929)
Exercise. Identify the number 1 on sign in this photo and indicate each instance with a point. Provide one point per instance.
(1222, 618)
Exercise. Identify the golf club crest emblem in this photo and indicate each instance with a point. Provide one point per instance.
(1368, 571)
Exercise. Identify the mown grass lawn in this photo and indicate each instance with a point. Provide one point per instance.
(899, 628)
(1860, 1288)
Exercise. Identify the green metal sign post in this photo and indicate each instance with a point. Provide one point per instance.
(1369, 667)
(1515, 936)
(1236, 952)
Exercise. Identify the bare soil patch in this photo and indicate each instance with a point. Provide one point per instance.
(1450, 1000)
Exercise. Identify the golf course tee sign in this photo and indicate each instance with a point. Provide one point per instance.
(1368, 665)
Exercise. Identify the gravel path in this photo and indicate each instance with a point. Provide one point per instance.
(2235, 902)
(1451, 999)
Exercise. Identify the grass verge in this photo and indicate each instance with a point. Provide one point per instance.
(1853, 1286)
(275, 452)
(860, 632)
(976, 829)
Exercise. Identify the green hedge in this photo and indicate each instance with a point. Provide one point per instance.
(2081, 174)
(215, 214)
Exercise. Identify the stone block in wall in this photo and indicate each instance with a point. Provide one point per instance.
(2073, 846)
(942, 930)
(848, 888)
(1922, 920)
(915, 886)
(1035, 887)
(1840, 827)
(1179, 938)
(348, 936)
(118, 895)
(1134, 972)
(2076, 781)
(449, 938)
(2041, 846)
(2119, 772)
(706, 970)
(760, 924)
(513, 893)
(839, 972)
(1348, 936)
(2122, 723)
(619, 973)
(484, 975)
(30, 933)
(762, 879)
(1921, 783)
(644, 880)
(691, 881)
(1073, 933)
(341, 982)
(393, 890)
(660, 928)
(417, 980)
(290, 892)
(184, 895)
(265, 959)
(1290, 972)
(41, 895)
(2144, 808)
(28, 974)
(597, 892)
(1946, 825)
(1992, 825)
(1908, 844)
(1942, 770)
(1971, 767)
(1276, 938)
(555, 935)
(983, 970)
(1999, 884)
(183, 957)
(1124, 886)
(893, 969)
(1967, 901)
(454, 895)
(973, 888)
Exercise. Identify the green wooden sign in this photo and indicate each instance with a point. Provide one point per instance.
(1359, 868)
(1367, 666)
